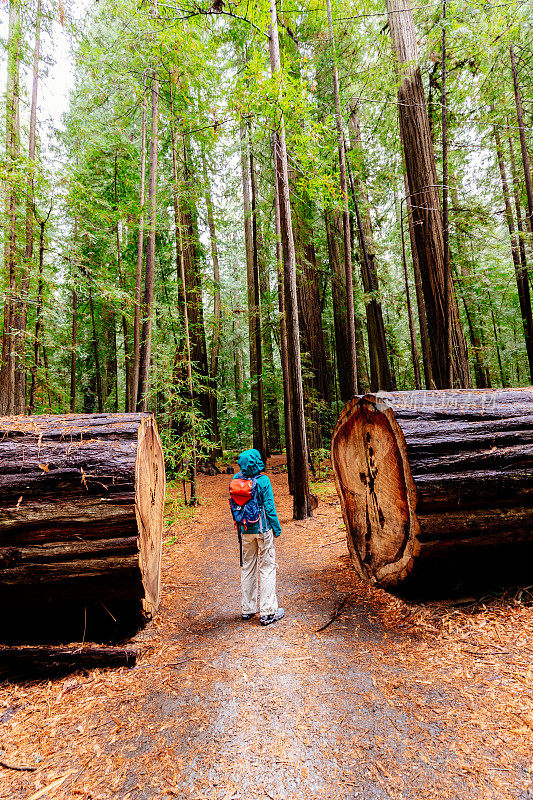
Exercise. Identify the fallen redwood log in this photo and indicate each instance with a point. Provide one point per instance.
(428, 475)
(49, 658)
(81, 516)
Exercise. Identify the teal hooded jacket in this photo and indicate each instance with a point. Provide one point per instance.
(251, 466)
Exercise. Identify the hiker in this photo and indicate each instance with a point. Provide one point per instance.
(257, 523)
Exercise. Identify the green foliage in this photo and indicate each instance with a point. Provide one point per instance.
(216, 68)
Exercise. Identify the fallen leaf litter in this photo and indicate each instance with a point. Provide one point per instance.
(390, 700)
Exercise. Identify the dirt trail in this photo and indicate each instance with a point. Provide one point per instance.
(385, 702)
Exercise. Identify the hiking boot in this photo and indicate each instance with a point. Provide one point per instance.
(270, 618)
(248, 616)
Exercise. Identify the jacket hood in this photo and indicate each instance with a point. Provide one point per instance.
(250, 463)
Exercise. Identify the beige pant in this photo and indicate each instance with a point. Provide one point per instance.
(258, 546)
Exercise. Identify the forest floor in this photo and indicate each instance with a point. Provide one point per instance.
(390, 700)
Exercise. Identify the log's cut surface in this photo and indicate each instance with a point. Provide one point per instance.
(427, 475)
(81, 516)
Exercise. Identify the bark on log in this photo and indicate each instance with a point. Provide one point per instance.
(434, 474)
(46, 658)
(81, 514)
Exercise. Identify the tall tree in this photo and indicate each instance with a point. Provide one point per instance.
(440, 301)
(309, 281)
(149, 274)
(522, 283)
(350, 318)
(301, 496)
(380, 372)
(334, 233)
(287, 399)
(136, 355)
(523, 144)
(217, 310)
(21, 314)
(8, 367)
(252, 281)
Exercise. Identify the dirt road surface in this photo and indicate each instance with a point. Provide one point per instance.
(388, 700)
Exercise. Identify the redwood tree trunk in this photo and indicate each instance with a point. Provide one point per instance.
(523, 144)
(7, 371)
(440, 304)
(149, 274)
(521, 234)
(302, 501)
(217, 311)
(338, 293)
(309, 297)
(521, 278)
(73, 344)
(351, 355)
(472, 308)
(21, 316)
(139, 272)
(280, 258)
(252, 282)
(193, 280)
(380, 373)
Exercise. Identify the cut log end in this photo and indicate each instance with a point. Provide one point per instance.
(149, 509)
(377, 490)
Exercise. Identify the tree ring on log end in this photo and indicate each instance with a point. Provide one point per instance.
(149, 509)
(377, 491)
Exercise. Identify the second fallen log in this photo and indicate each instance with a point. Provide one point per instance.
(442, 476)
(81, 517)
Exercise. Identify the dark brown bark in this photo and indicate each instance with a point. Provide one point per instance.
(422, 320)
(21, 315)
(193, 280)
(125, 332)
(96, 352)
(267, 330)
(9, 343)
(136, 355)
(217, 312)
(254, 307)
(338, 292)
(522, 283)
(280, 257)
(496, 332)
(412, 334)
(473, 312)
(38, 319)
(521, 231)
(149, 273)
(523, 144)
(193, 472)
(73, 345)
(429, 474)
(448, 280)
(50, 659)
(380, 372)
(301, 496)
(82, 513)
(425, 202)
(309, 280)
(351, 355)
